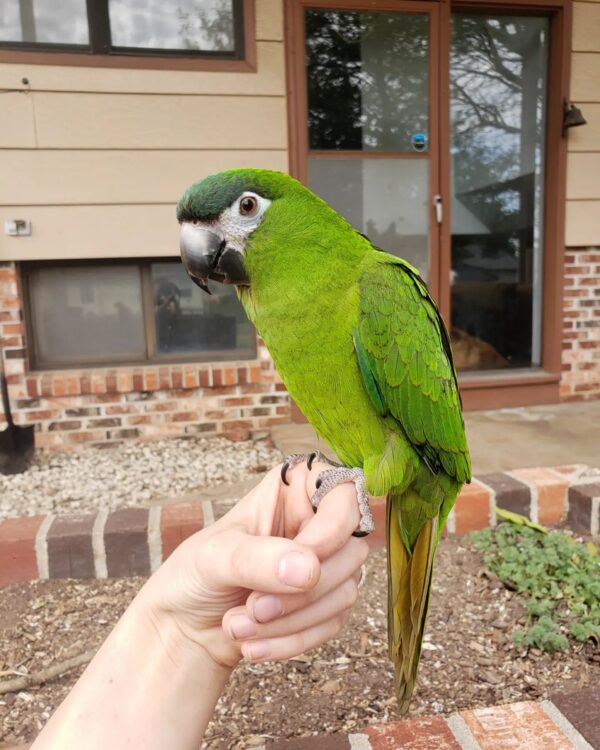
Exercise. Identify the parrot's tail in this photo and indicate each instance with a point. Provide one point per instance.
(409, 586)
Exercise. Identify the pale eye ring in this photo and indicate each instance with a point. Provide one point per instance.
(248, 205)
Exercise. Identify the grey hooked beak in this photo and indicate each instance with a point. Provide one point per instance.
(206, 256)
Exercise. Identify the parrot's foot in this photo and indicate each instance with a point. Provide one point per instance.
(299, 458)
(329, 479)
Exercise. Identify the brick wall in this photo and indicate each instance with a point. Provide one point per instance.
(108, 405)
(581, 325)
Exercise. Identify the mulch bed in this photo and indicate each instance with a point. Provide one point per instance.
(469, 659)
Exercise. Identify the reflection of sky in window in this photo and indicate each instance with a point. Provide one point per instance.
(185, 24)
(54, 23)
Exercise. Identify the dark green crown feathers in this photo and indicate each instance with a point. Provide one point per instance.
(205, 200)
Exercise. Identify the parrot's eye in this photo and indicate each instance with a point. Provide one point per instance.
(248, 205)
(195, 222)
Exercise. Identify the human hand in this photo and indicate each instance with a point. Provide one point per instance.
(270, 579)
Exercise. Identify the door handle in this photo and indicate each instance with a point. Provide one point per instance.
(437, 205)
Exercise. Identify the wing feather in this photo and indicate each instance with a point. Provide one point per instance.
(406, 362)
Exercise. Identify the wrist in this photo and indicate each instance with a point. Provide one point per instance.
(184, 635)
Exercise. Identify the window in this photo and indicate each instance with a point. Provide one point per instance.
(131, 312)
(125, 27)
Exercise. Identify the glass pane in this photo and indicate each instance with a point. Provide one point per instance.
(44, 22)
(368, 79)
(87, 314)
(498, 104)
(205, 25)
(188, 320)
(386, 199)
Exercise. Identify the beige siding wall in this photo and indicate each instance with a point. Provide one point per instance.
(583, 166)
(97, 158)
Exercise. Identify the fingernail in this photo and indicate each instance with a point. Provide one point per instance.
(257, 650)
(241, 626)
(295, 569)
(267, 608)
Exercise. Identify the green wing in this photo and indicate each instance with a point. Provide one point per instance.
(405, 358)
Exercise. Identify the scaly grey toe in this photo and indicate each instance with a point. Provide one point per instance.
(329, 479)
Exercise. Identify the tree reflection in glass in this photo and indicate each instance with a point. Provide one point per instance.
(367, 76)
(498, 100)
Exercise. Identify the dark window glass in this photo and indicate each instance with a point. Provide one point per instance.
(132, 312)
(204, 25)
(188, 320)
(86, 314)
(44, 22)
(498, 104)
(368, 79)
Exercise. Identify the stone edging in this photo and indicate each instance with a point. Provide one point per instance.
(567, 722)
(134, 541)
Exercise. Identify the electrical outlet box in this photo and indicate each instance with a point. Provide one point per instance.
(17, 227)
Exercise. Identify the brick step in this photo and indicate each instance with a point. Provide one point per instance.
(567, 722)
(134, 541)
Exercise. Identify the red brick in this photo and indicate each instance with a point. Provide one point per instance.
(151, 381)
(230, 376)
(32, 387)
(124, 382)
(205, 378)
(551, 493)
(178, 522)
(519, 725)
(164, 378)
(185, 416)
(217, 376)
(416, 734)
(177, 377)
(472, 509)
(17, 549)
(111, 382)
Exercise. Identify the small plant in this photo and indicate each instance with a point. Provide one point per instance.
(559, 578)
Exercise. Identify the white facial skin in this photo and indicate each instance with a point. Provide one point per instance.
(235, 224)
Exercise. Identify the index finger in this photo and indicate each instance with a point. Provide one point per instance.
(335, 520)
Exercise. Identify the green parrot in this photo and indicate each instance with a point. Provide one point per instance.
(361, 348)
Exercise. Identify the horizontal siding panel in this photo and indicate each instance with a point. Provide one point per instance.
(91, 177)
(585, 74)
(583, 176)
(583, 223)
(159, 122)
(269, 80)
(586, 26)
(269, 19)
(92, 232)
(586, 137)
(17, 129)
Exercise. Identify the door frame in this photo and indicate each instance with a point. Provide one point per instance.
(298, 105)
(480, 390)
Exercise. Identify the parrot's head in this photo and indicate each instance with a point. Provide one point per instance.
(222, 214)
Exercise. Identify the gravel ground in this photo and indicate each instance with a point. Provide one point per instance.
(468, 660)
(136, 474)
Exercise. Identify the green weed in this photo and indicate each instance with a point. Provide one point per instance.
(558, 577)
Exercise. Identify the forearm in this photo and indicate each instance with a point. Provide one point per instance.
(146, 687)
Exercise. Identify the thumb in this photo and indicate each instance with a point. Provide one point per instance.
(261, 563)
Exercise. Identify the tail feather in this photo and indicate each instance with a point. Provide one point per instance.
(409, 587)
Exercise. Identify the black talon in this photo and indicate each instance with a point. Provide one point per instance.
(284, 469)
(311, 458)
(318, 483)
(360, 533)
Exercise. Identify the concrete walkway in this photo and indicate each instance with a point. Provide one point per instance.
(503, 439)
